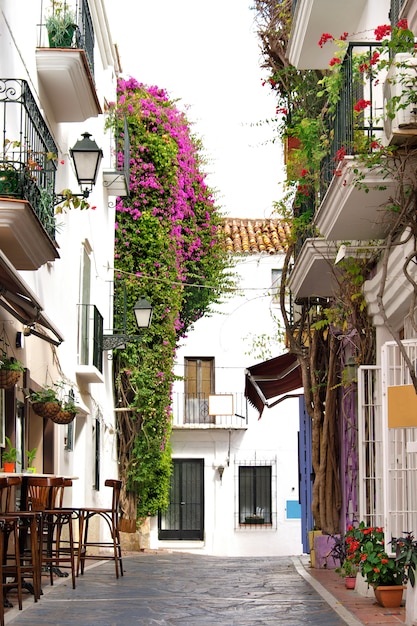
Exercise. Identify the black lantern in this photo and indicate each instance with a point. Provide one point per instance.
(87, 157)
(143, 313)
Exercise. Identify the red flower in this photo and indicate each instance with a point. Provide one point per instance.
(374, 58)
(304, 173)
(325, 38)
(334, 61)
(282, 110)
(340, 154)
(363, 67)
(344, 36)
(403, 25)
(361, 105)
(382, 31)
(375, 145)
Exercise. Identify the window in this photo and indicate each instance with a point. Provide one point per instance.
(199, 384)
(255, 499)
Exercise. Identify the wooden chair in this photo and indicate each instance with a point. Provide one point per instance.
(43, 494)
(111, 518)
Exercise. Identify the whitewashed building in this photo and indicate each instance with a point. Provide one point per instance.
(235, 481)
(56, 270)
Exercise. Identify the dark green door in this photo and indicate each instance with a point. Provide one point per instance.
(184, 518)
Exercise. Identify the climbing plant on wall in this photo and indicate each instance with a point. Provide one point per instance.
(168, 247)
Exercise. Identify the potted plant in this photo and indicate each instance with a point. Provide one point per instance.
(348, 570)
(386, 574)
(45, 402)
(10, 370)
(9, 457)
(61, 25)
(31, 457)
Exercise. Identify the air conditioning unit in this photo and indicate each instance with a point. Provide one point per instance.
(401, 80)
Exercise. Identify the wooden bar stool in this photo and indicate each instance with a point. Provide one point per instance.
(28, 529)
(111, 517)
(42, 495)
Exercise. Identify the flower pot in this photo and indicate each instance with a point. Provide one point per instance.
(61, 39)
(389, 597)
(63, 417)
(8, 378)
(350, 582)
(9, 183)
(46, 409)
(9, 466)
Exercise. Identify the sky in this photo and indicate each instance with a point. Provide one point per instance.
(206, 54)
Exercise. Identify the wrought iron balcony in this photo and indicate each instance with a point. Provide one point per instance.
(194, 411)
(348, 131)
(27, 171)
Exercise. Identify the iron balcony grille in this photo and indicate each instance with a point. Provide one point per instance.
(28, 152)
(348, 132)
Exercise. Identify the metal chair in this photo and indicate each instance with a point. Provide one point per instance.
(111, 518)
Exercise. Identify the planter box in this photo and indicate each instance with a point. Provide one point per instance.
(254, 520)
(323, 545)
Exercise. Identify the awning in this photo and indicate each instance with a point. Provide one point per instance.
(271, 379)
(20, 301)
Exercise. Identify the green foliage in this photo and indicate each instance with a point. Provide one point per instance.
(168, 247)
(405, 549)
(10, 363)
(10, 455)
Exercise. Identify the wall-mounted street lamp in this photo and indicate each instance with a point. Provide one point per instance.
(87, 157)
(143, 314)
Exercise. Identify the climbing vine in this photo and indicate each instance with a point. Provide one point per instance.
(168, 247)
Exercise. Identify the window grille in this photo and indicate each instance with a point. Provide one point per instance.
(256, 487)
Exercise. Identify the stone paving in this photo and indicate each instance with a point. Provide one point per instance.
(177, 589)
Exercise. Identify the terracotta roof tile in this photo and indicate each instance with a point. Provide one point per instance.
(252, 236)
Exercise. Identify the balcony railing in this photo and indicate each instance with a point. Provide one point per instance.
(27, 151)
(192, 411)
(349, 132)
(84, 33)
(90, 336)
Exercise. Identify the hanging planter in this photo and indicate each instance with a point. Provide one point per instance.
(10, 371)
(8, 378)
(64, 416)
(45, 402)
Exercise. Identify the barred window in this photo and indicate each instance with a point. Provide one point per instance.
(255, 494)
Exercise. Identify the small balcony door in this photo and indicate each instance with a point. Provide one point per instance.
(184, 518)
(199, 384)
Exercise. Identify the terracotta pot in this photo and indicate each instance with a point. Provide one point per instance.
(8, 467)
(350, 582)
(389, 597)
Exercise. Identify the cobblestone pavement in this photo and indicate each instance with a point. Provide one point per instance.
(176, 589)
